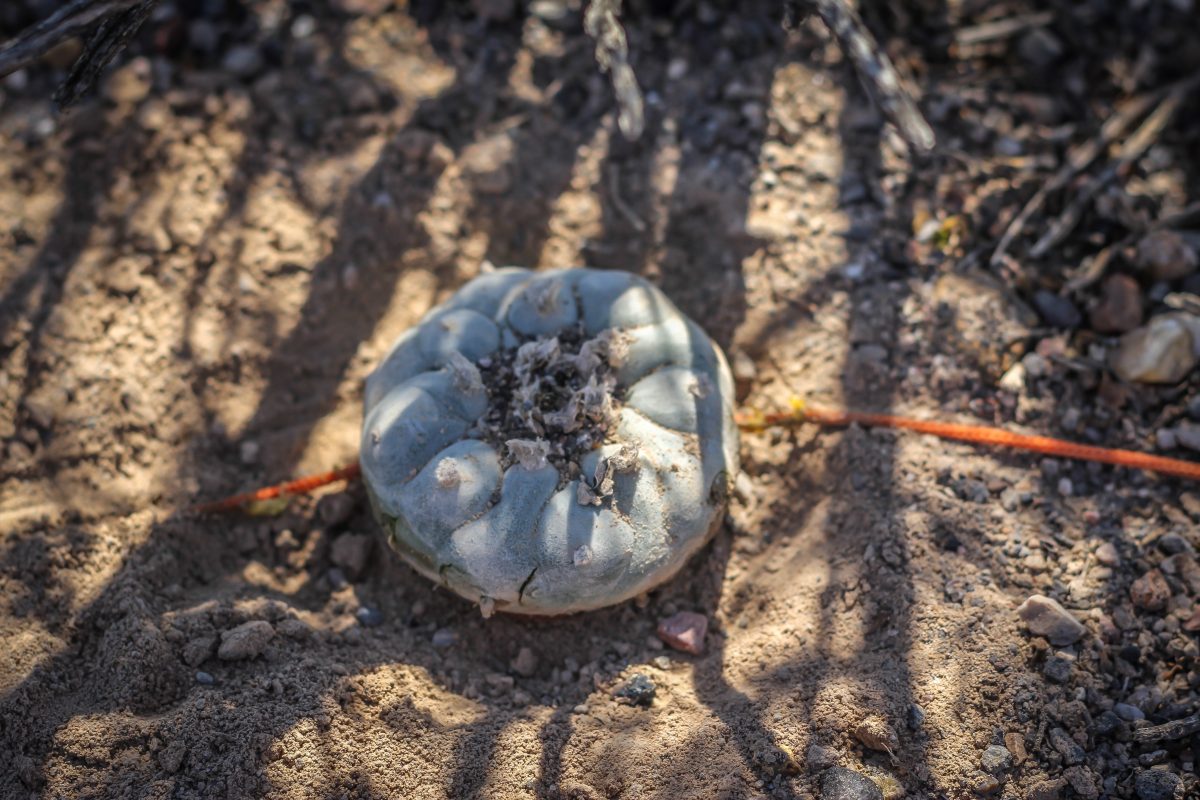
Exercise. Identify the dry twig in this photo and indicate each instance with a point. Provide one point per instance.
(1133, 149)
(1078, 159)
(115, 22)
(1001, 28)
(875, 70)
(601, 22)
(1176, 729)
(1094, 268)
(102, 46)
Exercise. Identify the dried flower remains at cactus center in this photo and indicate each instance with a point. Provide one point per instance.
(552, 400)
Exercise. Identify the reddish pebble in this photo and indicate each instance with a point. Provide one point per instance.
(684, 631)
(1192, 623)
(1150, 592)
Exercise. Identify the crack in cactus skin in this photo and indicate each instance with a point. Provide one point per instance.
(550, 442)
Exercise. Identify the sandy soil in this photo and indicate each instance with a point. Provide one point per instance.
(199, 267)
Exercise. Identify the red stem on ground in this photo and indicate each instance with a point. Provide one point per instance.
(299, 486)
(800, 414)
(978, 434)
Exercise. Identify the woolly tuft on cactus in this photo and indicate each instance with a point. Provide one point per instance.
(550, 442)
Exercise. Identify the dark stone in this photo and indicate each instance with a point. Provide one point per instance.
(1107, 724)
(638, 690)
(1158, 784)
(839, 783)
(1067, 747)
(369, 617)
(1056, 310)
(996, 759)
(1057, 669)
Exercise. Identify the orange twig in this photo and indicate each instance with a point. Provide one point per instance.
(976, 434)
(298, 486)
(799, 414)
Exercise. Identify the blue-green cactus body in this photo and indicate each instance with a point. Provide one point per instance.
(625, 450)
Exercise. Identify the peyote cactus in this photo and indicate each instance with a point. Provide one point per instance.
(550, 442)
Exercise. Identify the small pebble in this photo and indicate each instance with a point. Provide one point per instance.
(1154, 757)
(369, 617)
(1165, 256)
(996, 759)
(1187, 434)
(983, 783)
(1120, 306)
(337, 579)
(819, 757)
(1057, 669)
(1046, 617)
(1046, 790)
(249, 451)
(1157, 784)
(1014, 379)
(1106, 724)
(1083, 781)
(444, 637)
(1128, 712)
(1150, 592)
(293, 628)
(1067, 747)
(1015, 743)
(335, 509)
(916, 716)
(638, 690)
(525, 663)
(1057, 310)
(839, 783)
(351, 551)
(684, 631)
(303, 26)
(243, 60)
(204, 678)
(1160, 351)
(1107, 555)
(1173, 544)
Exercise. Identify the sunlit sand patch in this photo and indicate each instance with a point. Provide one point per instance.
(575, 215)
(24, 651)
(395, 51)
